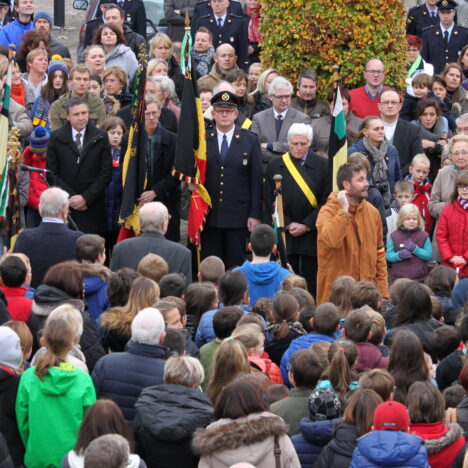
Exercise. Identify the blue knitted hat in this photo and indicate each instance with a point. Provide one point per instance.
(39, 140)
(43, 15)
(56, 63)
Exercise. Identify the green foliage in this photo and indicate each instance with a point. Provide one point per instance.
(322, 33)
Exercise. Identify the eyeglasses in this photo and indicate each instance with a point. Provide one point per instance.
(286, 96)
(390, 103)
(462, 187)
(375, 72)
(224, 111)
(460, 153)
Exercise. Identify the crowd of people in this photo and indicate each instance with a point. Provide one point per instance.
(349, 352)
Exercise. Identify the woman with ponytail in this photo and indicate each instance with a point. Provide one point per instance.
(52, 399)
(339, 374)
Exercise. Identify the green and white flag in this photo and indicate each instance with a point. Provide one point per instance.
(4, 114)
(338, 146)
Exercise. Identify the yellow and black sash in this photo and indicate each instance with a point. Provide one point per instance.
(299, 180)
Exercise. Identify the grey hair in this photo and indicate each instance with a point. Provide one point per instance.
(184, 370)
(109, 450)
(280, 83)
(152, 216)
(93, 46)
(301, 129)
(165, 83)
(462, 118)
(52, 202)
(72, 316)
(150, 99)
(148, 326)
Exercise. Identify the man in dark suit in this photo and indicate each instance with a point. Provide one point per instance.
(52, 241)
(135, 14)
(79, 156)
(234, 182)
(272, 125)
(226, 28)
(160, 152)
(405, 136)
(301, 203)
(422, 16)
(154, 219)
(442, 43)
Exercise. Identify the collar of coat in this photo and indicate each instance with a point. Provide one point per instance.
(230, 434)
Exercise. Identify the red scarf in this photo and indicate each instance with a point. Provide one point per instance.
(18, 94)
(420, 189)
(254, 25)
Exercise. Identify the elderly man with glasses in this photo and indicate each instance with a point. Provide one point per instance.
(272, 125)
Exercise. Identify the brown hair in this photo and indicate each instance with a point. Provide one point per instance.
(341, 293)
(202, 29)
(365, 293)
(285, 309)
(199, 298)
(377, 328)
(211, 269)
(357, 325)
(229, 361)
(294, 281)
(342, 356)
(153, 266)
(379, 380)
(461, 179)
(306, 368)
(58, 337)
(442, 280)
(104, 417)
(360, 410)
(241, 397)
(79, 68)
(31, 40)
(346, 171)
(111, 122)
(120, 36)
(118, 72)
(425, 403)
(426, 102)
(66, 276)
(422, 80)
(88, 247)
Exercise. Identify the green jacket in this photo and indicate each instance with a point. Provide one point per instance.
(49, 412)
(97, 111)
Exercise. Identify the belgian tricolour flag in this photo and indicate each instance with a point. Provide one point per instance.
(190, 155)
(338, 146)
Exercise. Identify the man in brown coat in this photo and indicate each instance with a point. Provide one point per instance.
(350, 235)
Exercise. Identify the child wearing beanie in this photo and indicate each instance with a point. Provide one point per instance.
(34, 155)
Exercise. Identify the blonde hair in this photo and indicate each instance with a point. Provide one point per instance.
(422, 159)
(248, 335)
(456, 139)
(405, 211)
(72, 316)
(184, 370)
(152, 65)
(160, 39)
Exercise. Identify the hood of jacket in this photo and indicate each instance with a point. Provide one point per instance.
(95, 269)
(318, 432)
(116, 319)
(58, 380)
(172, 412)
(231, 434)
(77, 461)
(369, 357)
(344, 440)
(118, 51)
(437, 436)
(47, 298)
(389, 448)
(261, 273)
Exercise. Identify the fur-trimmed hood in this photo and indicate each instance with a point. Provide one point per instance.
(47, 298)
(116, 319)
(451, 436)
(96, 269)
(231, 434)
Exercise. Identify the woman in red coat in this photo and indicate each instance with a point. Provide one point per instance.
(452, 233)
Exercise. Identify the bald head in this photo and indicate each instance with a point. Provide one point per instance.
(154, 217)
(225, 58)
(223, 86)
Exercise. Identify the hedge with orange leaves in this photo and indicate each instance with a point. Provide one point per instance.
(322, 33)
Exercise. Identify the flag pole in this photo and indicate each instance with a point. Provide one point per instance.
(280, 227)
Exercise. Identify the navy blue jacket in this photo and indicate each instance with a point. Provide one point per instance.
(122, 376)
(313, 437)
(389, 449)
(392, 160)
(235, 185)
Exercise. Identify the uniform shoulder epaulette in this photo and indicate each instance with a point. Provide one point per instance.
(246, 130)
(427, 28)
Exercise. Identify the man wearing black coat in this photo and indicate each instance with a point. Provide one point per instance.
(300, 214)
(134, 11)
(79, 156)
(234, 182)
(405, 136)
(52, 241)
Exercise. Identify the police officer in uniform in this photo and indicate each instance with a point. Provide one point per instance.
(203, 8)
(234, 182)
(135, 14)
(226, 28)
(442, 44)
(421, 17)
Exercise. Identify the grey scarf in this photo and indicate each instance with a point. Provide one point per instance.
(434, 134)
(204, 60)
(379, 171)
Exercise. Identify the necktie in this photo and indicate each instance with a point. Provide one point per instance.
(121, 2)
(224, 148)
(446, 38)
(278, 123)
(78, 142)
(220, 23)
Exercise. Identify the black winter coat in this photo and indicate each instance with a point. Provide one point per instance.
(338, 453)
(166, 418)
(46, 299)
(296, 206)
(5, 459)
(8, 388)
(122, 376)
(86, 174)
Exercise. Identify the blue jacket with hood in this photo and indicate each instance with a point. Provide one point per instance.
(390, 449)
(264, 279)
